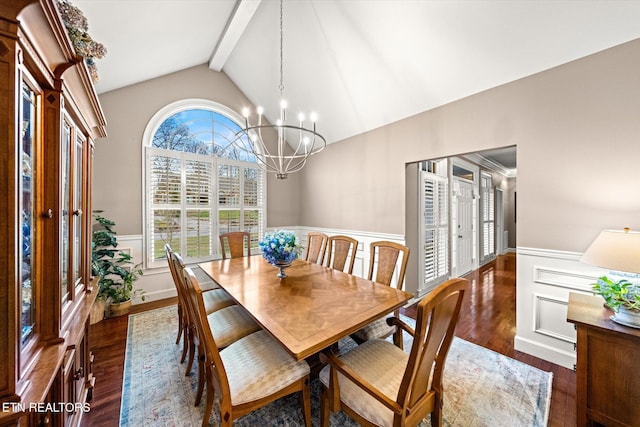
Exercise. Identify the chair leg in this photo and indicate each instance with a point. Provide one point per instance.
(180, 326)
(210, 395)
(192, 352)
(185, 344)
(201, 379)
(436, 415)
(324, 407)
(306, 401)
(397, 338)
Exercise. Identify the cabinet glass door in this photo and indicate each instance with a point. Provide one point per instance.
(66, 211)
(77, 209)
(28, 115)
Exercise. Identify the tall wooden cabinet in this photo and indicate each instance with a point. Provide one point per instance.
(49, 119)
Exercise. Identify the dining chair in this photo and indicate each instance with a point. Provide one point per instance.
(230, 323)
(339, 250)
(248, 374)
(235, 242)
(316, 245)
(215, 299)
(183, 321)
(378, 384)
(383, 261)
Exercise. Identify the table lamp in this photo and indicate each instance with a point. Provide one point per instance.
(618, 250)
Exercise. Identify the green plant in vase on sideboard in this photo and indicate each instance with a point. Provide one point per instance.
(115, 268)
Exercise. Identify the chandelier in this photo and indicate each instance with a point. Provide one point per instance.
(294, 143)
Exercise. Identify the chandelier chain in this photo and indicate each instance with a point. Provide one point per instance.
(289, 145)
(281, 87)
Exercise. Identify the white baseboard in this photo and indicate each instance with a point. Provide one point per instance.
(545, 352)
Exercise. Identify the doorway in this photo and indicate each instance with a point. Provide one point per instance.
(462, 226)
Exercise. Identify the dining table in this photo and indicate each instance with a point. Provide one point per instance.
(310, 309)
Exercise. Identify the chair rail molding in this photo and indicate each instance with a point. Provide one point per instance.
(544, 279)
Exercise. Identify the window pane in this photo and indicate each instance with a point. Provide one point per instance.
(188, 131)
(166, 229)
(199, 233)
(253, 224)
(198, 185)
(165, 180)
(253, 187)
(226, 133)
(228, 185)
(228, 220)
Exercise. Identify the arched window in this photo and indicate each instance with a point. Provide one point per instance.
(198, 185)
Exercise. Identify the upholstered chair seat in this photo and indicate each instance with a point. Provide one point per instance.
(382, 365)
(257, 367)
(216, 299)
(231, 323)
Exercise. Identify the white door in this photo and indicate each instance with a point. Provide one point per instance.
(464, 230)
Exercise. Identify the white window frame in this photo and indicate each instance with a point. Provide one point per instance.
(147, 139)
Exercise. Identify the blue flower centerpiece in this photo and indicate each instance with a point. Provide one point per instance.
(280, 248)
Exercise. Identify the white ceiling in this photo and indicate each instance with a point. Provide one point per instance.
(360, 64)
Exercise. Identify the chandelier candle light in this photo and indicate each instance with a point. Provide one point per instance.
(287, 158)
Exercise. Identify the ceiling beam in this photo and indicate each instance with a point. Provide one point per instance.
(240, 17)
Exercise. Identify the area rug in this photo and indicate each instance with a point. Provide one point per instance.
(482, 388)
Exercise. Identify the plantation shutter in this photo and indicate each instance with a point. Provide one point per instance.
(165, 212)
(254, 203)
(488, 217)
(435, 226)
(198, 197)
(180, 204)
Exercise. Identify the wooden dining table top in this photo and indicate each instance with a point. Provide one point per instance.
(310, 309)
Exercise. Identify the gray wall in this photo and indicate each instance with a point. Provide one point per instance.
(576, 128)
(577, 132)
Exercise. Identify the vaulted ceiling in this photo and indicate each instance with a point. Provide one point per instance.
(360, 64)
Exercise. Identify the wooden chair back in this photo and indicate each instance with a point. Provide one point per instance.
(339, 250)
(188, 307)
(383, 261)
(182, 314)
(420, 390)
(216, 376)
(235, 242)
(421, 387)
(316, 245)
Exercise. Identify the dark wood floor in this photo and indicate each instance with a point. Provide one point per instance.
(488, 319)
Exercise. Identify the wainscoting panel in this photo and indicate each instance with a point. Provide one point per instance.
(544, 280)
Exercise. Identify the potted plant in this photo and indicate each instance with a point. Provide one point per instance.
(116, 270)
(623, 297)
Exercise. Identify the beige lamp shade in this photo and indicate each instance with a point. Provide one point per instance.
(616, 250)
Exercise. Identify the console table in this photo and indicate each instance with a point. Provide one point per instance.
(608, 357)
